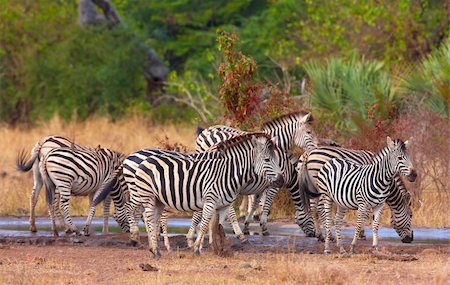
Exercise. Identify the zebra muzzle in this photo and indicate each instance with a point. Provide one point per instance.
(279, 181)
(408, 239)
(412, 176)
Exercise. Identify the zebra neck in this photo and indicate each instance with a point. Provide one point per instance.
(383, 169)
(239, 166)
(283, 131)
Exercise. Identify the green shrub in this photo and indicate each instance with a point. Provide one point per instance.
(352, 93)
(430, 82)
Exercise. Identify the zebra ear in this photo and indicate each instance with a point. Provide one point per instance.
(390, 143)
(408, 142)
(275, 141)
(306, 118)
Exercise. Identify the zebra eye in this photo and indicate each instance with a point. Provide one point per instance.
(267, 159)
(400, 158)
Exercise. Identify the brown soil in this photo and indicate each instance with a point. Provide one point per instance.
(112, 259)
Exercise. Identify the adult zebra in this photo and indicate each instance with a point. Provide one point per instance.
(361, 187)
(39, 151)
(293, 129)
(208, 181)
(399, 199)
(78, 172)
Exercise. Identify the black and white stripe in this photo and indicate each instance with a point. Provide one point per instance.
(289, 130)
(78, 172)
(361, 187)
(399, 200)
(39, 151)
(207, 182)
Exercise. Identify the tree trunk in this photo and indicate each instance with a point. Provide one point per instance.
(155, 72)
(218, 236)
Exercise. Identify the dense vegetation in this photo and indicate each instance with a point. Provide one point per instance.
(49, 63)
(365, 68)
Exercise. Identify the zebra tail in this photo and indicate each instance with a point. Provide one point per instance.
(306, 185)
(49, 185)
(199, 130)
(24, 165)
(106, 188)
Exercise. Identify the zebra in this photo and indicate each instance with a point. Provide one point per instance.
(399, 199)
(287, 163)
(40, 150)
(78, 172)
(362, 188)
(290, 130)
(208, 181)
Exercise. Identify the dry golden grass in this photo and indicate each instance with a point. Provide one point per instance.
(82, 265)
(129, 135)
(124, 135)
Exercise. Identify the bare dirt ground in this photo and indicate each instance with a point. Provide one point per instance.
(110, 259)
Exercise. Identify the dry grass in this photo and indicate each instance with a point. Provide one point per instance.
(125, 136)
(81, 265)
(133, 134)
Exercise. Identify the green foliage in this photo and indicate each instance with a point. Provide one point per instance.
(92, 70)
(50, 64)
(430, 82)
(351, 93)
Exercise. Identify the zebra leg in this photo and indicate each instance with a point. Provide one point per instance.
(234, 223)
(327, 212)
(106, 206)
(87, 225)
(59, 213)
(314, 206)
(255, 201)
(164, 226)
(244, 203)
(131, 209)
(196, 218)
(270, 194)
(64, 198)
(152, 213)
(209, 208)
(361, 219)
(375, 223)
(37, 185)
(49, 195)
(338, 223)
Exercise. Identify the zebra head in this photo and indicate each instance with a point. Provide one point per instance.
(401, 222)
(266, 160)
(400, 160)
(304, 137)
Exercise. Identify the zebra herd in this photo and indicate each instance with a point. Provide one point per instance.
(227, 163)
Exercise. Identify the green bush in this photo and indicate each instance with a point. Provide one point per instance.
(430, 82)
(351, 93)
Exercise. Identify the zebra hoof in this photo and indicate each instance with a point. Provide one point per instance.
(156, 255)
(55, 233)
(266, 233)
(197, 252)
(33, 228)
(362, 237)
(246, 231)
(243, 240)
(342, 251)
(327, 251)
(375, 249)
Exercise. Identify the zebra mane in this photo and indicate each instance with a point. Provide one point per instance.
(237, 140)
(399, 143)
(292, 115)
